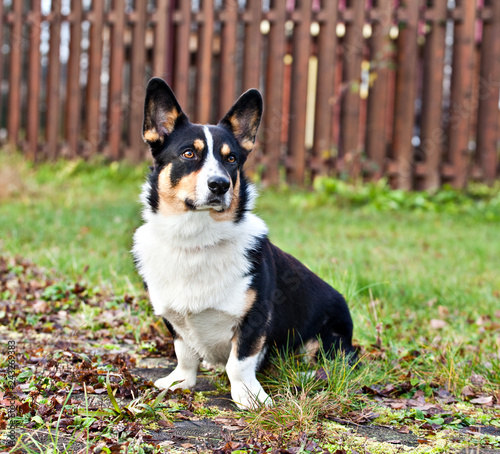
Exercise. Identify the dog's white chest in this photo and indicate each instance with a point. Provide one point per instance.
(198, 276)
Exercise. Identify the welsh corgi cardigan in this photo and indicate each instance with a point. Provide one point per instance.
(227, 295)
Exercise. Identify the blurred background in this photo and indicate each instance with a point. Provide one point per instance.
(406, 90)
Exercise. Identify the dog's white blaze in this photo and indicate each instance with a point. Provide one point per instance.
(211, 167)
(196, 267)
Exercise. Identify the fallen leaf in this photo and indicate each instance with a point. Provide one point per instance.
(482, 400)
(437, 324)
(467, 391)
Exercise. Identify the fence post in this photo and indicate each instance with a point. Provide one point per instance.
(378, 99)
(487, 133)
(182, 55)
(115, 93)
(461, 93)
(137, 150)
(16, 41)
(204, 73)
(227, 85)
(404, 105)
(432, 135)
(163, 40)
(92, 125)
(327, 53)
(73, 91)
(349, 122)
(53, 83)
(298, 93)
(273, 112)
(33, 125)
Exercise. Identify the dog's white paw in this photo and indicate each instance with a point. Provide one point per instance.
(178, 379)
(249, 399)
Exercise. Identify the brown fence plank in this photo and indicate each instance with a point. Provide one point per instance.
(92, 121)
(327, 52)
(487, 134)
(162, 39)
(204, 70)
(253, 44)
(353, 51)
(73, 92)
(53, 81)
(182, 54)
(227, 75)
(137, 84)
(378, 100)
(115, 106)
(16, 39)
(432, 135)
(404, 105)
(33, 125)
(461, 93)
(273, 114)
(1, 58)
(298, 98)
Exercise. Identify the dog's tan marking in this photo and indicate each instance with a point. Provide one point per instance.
(225, 150)
(247, 145)
(250, 298)
(151, 135)
(199, 145)
(170, 119)
(230, 213)
(234, 121)
(172, 199)
(256, 349)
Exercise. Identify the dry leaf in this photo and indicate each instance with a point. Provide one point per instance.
(438, 324)
(482, 400)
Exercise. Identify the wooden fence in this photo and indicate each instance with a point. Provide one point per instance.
(406, 89)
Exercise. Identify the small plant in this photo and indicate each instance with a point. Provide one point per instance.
(303, 392)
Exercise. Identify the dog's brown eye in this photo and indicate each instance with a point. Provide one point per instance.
(231, 159)
(189, 154)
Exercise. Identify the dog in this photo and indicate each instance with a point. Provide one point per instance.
(226, 293)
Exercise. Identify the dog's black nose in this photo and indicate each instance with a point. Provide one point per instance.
(218, 185)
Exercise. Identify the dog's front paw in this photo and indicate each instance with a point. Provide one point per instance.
(249, 399)
(178, 379)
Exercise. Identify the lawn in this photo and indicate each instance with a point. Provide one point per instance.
(420, 272)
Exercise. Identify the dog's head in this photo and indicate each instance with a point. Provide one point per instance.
(198, 167)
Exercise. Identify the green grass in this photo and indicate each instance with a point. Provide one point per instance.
(399, 268)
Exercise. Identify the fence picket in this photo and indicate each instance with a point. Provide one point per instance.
(16, 42)
(115, 104)
(349, 123)
(462, 101)
(53, 83)
(73, 90)
(487, 134)
(298, 95)
(432, 134)
(378, 100)
(33, 125)
(404, 113)
(327, 52)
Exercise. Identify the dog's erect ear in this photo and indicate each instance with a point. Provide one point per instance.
(162, 113)
(244, 117)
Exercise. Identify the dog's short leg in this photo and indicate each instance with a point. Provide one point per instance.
(246, 391)
(184, 375)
